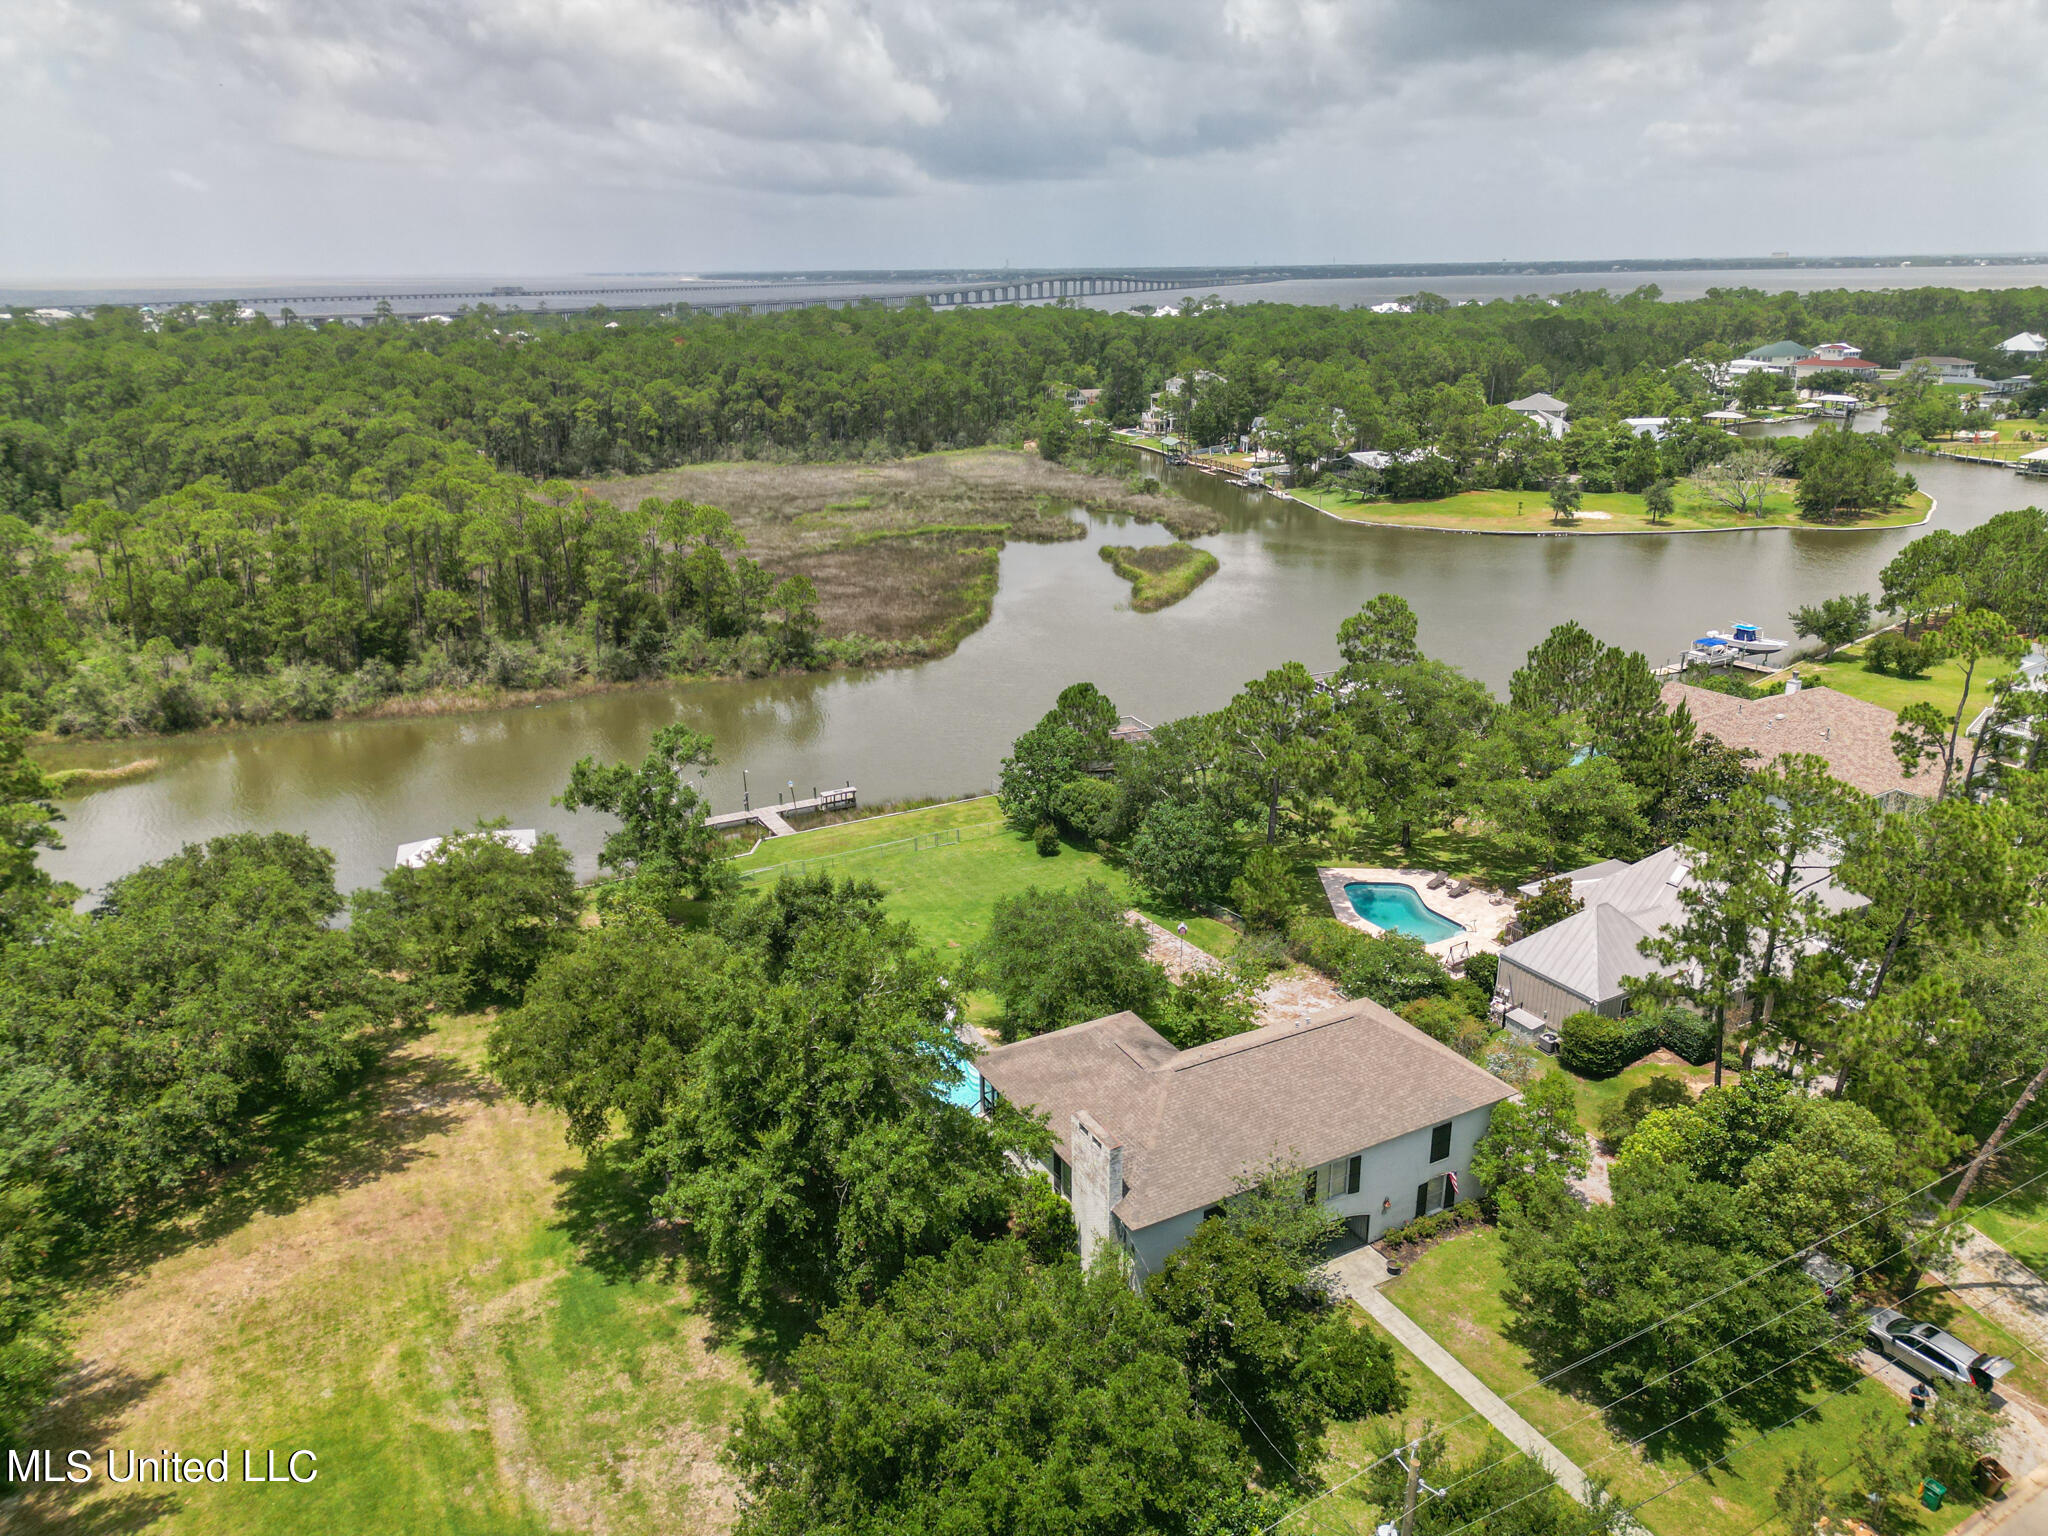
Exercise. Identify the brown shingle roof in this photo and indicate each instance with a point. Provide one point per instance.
(1194, 1124)
(1854, 736)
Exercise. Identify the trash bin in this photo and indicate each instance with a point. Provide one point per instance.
(1932, 1493)
(1992, 1477)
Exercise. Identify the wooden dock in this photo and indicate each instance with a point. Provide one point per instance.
(771, 816)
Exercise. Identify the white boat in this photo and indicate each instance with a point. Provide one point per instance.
(1709, 651)
(1747, 640)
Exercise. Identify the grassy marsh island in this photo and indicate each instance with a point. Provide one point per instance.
(1160, 574)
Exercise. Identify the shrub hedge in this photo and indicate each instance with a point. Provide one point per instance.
(1594, 1046)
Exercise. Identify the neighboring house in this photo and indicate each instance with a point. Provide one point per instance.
(1821, 362)
(1547, 411)
(2032, 677)
(1839, 351)
(2025, 344)
(1148, 1140)
(1949, 370)
(1579, 964)
(1652, 427)
(1853, 736)
(1779, 352)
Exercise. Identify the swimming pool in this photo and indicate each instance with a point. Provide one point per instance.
(1397, 907)
(965, 1090)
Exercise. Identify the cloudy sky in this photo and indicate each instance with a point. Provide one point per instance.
(190, 137)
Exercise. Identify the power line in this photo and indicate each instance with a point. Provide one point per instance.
(2010, 1143)
(1709, 1354)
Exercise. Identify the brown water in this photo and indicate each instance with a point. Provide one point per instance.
(1289, 576)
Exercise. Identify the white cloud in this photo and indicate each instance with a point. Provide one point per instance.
(701, 131)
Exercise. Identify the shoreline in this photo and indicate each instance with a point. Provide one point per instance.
(437, 705)
(1933, 505)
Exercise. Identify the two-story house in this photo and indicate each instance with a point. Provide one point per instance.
(1149, 1139)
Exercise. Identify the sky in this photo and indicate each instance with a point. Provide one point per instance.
(181, 138)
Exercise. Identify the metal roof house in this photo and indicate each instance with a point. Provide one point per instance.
(1778, 352)
(2025, 344)
(1148, 1139)
(1547, 411)
(1579, 964)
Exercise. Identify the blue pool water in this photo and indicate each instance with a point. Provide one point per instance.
(966, 1090)
(1399, 908)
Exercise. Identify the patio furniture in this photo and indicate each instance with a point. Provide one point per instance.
(1437, 882)
(1460, 888)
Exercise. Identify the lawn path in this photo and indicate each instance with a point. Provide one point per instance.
(1482, 1398)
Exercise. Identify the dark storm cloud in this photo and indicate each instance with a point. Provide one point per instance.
(709, 120)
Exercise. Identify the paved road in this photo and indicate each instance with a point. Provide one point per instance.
(1360, 1272)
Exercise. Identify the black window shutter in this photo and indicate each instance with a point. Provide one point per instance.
(1422, 1200)
(1440, 1142)
(1352, 1175)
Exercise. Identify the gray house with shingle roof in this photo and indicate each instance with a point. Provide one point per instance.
(1149, 1139)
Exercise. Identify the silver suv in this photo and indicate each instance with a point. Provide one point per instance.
(1932, 1352)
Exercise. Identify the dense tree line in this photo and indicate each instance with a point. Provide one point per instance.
(206, 516)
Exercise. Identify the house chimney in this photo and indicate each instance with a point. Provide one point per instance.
(1792, 684)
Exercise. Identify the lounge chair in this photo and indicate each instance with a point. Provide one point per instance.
(1460, 888)
(1436, 881)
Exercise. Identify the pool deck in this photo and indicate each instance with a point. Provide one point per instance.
(1483, 914)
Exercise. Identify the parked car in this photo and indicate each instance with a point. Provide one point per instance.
(1932, 1352)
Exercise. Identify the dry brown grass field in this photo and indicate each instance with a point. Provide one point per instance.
(464, 1321)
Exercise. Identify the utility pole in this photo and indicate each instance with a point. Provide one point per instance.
(1413, 1462)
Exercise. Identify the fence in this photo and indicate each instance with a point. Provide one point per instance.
(921, 842)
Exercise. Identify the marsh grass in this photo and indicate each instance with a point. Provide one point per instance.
(1160, 574)
(904, 550)
(78, 781)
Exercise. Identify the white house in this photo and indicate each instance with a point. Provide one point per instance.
(1949, 370)
(1148, 1140)
(1547, 411)
(1836, 350)
(1652, 427)
(1828, 362)
(2025, 344)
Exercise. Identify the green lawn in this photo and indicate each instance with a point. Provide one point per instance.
(1941, 687)
(1348, 1512)
(1465, 854)
(2017, 437)
(1594, 1095)
(946, 888)
(427, 1295)
(1529, 512)
(1454, 1291)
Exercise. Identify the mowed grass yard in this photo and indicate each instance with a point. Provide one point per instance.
(1942, 686)
(428, 1293)
(945, 866)
(1454, 1291)
(1619, 512)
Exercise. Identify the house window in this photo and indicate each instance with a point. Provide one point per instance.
(1062, 1176)
(1440, 1142)
(1353, 1169)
